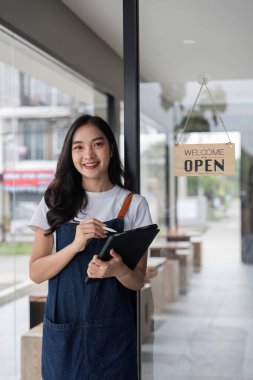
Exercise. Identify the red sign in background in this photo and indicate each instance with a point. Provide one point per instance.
(27, 180)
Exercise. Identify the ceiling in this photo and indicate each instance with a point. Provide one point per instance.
(222, 31)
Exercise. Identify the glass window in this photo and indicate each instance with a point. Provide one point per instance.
(39, 99)
(33, 135)
(197, 304)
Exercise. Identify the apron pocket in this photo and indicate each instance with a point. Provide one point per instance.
(64, 351)
(102, 349)
(112, 350)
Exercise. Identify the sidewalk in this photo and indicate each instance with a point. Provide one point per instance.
(208, 334)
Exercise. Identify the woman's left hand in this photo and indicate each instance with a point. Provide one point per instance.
(102, 269)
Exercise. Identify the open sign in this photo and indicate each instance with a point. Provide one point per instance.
(204, 159)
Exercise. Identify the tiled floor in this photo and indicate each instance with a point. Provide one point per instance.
(208, 334)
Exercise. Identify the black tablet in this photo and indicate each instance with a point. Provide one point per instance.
(131, 245)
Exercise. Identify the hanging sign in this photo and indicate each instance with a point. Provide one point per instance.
(204, 159)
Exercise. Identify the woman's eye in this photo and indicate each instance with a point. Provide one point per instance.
(97, 145)
(77, 147)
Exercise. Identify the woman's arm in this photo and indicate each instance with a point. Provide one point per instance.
(43, 265)
(131, 279)
(135, 279)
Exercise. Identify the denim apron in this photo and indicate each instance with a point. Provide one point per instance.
(89, 331)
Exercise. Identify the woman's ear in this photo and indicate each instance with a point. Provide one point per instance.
(111, 152)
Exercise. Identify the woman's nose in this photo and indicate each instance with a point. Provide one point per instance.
(88, 153)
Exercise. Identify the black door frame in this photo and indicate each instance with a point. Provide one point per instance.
(132, 118)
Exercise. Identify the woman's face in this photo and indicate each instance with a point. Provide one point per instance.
(91, 153)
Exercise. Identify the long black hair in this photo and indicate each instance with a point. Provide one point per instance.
(65, 196)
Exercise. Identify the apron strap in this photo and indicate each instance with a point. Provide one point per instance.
(125, 206)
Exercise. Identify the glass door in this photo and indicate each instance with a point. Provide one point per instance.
(197, 304)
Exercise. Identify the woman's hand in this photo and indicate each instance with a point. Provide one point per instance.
(131, 279)
(102, 269)
(87, 230)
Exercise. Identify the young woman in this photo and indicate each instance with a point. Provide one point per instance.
(89, 330)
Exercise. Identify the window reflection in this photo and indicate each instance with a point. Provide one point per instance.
(200, 287)
(39, 98)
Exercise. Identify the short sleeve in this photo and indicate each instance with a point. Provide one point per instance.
(39, 218)
(142, 215)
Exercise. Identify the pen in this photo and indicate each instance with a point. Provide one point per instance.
(77, 220)
(109, 229)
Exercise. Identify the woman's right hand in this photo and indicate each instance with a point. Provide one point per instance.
(87, 230)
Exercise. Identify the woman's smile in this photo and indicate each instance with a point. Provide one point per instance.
(91, 165)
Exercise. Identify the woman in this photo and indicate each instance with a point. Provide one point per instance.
(88, 330)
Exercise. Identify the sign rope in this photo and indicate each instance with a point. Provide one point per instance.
(193, 107)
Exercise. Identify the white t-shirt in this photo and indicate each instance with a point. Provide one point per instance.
(103, 206)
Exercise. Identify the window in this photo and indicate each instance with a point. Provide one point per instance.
(33, 137)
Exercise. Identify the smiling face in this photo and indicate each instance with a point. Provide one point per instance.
(91, 157)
